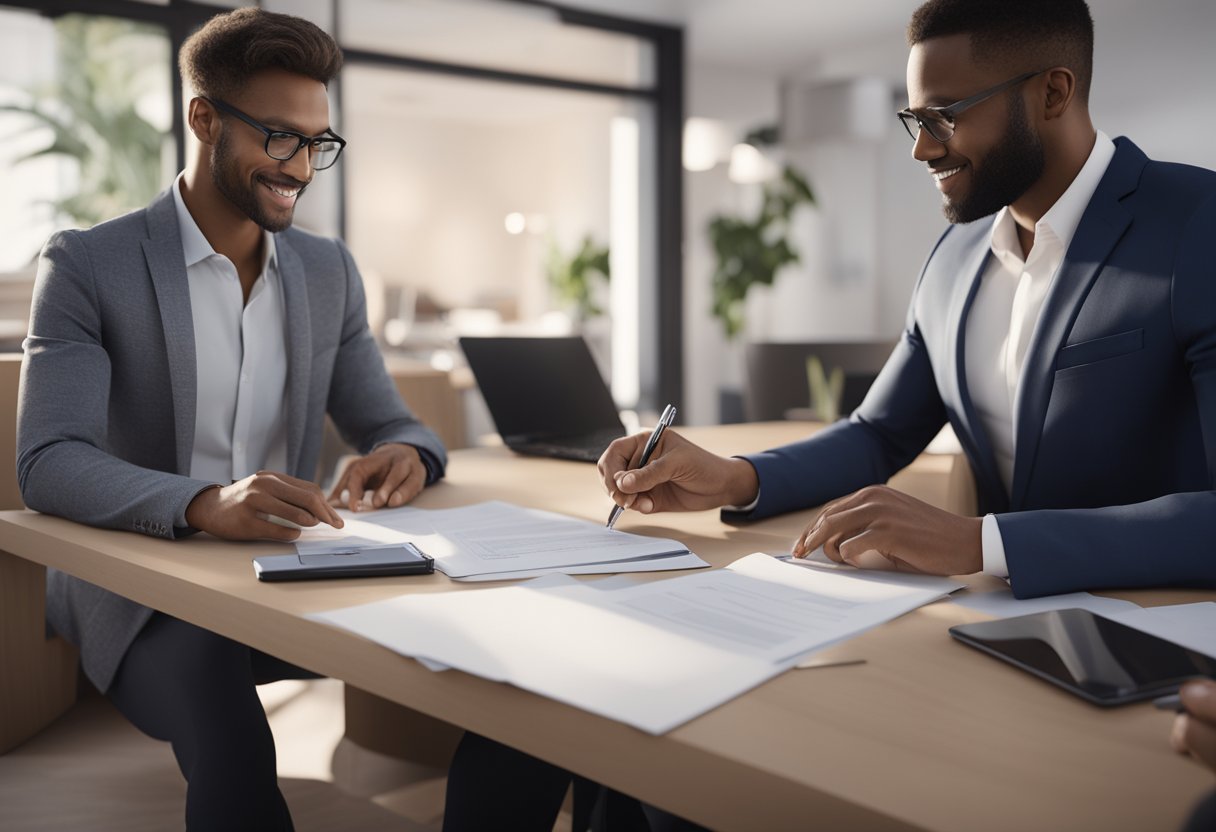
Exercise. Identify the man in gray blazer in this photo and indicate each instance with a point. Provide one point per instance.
(180, 363)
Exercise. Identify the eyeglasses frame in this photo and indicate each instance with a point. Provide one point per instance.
(301, 139)
(949, 112)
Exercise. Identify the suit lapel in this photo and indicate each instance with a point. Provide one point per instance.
(1102, 225)
(960, 307)
(299, 348)
(167, 266)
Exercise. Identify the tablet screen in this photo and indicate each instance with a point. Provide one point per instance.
(1101, 660)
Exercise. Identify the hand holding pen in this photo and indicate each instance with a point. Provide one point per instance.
(669, 416)
(673, 475)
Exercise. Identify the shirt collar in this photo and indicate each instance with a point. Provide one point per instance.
(1061, 220)
(195, 246)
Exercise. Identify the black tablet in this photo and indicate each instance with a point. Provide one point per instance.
(1100, 660)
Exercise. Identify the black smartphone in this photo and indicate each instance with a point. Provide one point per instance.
(1100, 660)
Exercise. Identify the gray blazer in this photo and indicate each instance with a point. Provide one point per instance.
(105, 423)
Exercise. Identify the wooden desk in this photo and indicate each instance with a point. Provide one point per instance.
(927, 734)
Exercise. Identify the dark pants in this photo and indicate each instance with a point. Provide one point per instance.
(493, 786)
(195, 689)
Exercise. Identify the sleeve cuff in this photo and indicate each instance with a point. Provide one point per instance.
(994, 548)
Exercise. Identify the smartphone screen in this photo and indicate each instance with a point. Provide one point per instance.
(1098, 659)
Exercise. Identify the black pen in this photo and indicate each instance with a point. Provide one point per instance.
(669, 416)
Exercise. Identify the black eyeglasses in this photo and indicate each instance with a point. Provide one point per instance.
(281, 145)
(939, 121)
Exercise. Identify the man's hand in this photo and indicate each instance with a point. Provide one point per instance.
(1195, 731)
(239, 511)
(394, 472)
(880, 528)
(680, 476)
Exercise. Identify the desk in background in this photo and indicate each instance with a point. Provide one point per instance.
(926, 735)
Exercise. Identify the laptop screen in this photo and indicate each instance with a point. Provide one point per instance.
(541, 387)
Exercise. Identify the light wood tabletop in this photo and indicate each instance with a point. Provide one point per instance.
(925, 734)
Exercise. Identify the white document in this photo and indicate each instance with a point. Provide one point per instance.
(1192, 626)
(653, 655)
(497, 538)
(1001, 603)
(818, 560)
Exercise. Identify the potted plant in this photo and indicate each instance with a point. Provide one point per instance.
(574, 279)
(752, 251)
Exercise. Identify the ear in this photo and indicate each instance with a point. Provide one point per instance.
(1060, 88)
(203, 121)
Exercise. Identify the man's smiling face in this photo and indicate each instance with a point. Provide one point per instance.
(995, 155)
(263, 189)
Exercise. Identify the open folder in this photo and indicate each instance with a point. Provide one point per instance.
(497, 541)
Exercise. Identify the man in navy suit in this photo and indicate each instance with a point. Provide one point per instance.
(1064, 325)
(1070, 340)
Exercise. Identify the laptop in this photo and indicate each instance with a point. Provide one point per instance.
(546, 395)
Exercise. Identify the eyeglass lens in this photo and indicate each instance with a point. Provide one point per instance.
(283, 146)
(938, 128)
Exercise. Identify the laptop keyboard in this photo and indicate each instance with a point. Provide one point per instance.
(580, 448)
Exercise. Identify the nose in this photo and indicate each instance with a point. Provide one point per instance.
(927, 148)
(298, 167)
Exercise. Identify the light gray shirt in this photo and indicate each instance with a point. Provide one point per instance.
(241, 356)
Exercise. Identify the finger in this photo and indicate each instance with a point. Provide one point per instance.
(616, 459)
(394, 478)
(835, 529)
(1178, 734)
(854, 548)
(799, 549)
(657, 472)
(356, 479)
(1199, 699)
(409, 489)
(1200, 739)
(335, 493)
(304, 496)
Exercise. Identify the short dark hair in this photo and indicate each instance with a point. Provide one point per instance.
(1027, 34)
(232, 47)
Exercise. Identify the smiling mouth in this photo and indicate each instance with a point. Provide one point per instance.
(284, 191)
(939, 175)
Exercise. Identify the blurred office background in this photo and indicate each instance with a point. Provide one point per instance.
(505, 154)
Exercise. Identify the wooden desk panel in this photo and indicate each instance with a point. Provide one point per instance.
(927, 734)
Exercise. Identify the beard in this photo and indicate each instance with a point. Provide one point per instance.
(1007, 172)
(227, 180)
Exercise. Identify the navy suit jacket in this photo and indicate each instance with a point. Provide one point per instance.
(1115, 418)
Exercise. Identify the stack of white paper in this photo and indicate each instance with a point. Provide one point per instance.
(496, 540)
(652, 655)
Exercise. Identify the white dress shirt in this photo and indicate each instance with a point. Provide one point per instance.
(241, 353)
(1004, 315)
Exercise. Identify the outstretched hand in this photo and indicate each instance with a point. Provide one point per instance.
(879, 527)
(394, 473)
